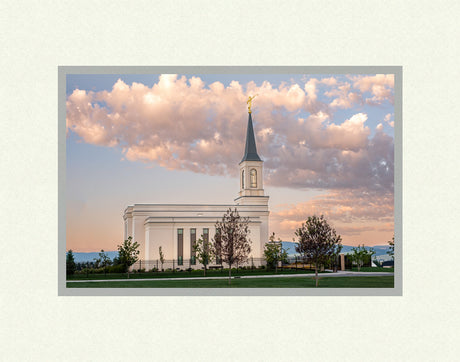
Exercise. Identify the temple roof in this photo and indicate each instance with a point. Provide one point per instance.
(250, 151)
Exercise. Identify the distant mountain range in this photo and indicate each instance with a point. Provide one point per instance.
(379, 249)
(85, 257)
(289, 246)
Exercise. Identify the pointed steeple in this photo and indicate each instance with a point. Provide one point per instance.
(250, 151)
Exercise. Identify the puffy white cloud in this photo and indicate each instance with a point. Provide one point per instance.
(380, 86)
(345, 98)
(388, 120)
(350, 135)
(180, 123)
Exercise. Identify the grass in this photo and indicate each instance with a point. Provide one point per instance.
(374, 270)
(183, 274)
(285, 282)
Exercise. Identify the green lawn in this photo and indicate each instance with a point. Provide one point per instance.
(287, 282)
(374, 269)
(194, 273)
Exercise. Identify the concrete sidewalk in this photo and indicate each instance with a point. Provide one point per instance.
(321, 275)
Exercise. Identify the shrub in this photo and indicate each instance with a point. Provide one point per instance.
(119, 268)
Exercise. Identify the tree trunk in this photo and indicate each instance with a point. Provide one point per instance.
(229, 274)
(316, 274)
(205, 270)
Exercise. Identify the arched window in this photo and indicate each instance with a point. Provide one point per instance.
(253, 178)
(242, 179)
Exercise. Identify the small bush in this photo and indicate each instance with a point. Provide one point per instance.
(116, 269)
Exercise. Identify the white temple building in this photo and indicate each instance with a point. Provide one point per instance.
(175, 227)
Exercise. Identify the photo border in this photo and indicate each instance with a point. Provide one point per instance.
(63, 71)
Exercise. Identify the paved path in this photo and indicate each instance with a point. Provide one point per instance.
(322, 275)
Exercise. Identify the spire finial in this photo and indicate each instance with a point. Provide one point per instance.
(249, 102)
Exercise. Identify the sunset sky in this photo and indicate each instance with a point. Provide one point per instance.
(327, 142)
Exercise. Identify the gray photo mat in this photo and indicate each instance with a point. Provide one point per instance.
(63, 71)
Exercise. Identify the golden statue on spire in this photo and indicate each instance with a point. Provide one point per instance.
(249, 102)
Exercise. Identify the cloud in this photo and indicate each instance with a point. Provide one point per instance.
(332, 157)
(344, 206)
(381, 87)
(180, 123)
(350, 212)
(354, 230)
(387, 119)
(345, 98)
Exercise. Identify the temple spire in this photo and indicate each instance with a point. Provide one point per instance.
(250, 151)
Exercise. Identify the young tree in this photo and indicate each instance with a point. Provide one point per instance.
(334, 260)
(317, 241)
(204, 252)
(361, 255)
(162, 257)
(391, 251)
(104, 261)
(128, 253)
(231, 242)
(70, 263)
(274, 252)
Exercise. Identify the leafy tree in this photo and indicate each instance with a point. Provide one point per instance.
(274, 252)
(128, 253)
(162, 257)
(361, 255)
(317, 241)
(97, 261)
(334, 260)
(116, 261)
(70, 263)
(203, 251)
(103, 261)
(231, 242)
(391, 251)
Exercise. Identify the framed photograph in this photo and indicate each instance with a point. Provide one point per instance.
(230, 180)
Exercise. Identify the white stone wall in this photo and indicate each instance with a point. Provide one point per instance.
(154, 225)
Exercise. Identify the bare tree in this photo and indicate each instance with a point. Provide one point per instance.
(231, 243)
(317, 241)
